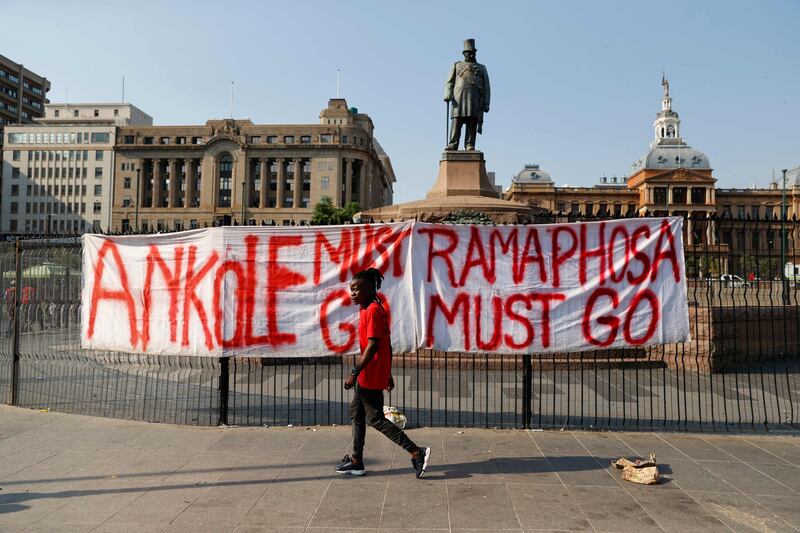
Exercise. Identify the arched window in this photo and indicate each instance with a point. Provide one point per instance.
(670, 131)
(225, 176)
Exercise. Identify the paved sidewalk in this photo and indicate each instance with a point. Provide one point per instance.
(75, 473)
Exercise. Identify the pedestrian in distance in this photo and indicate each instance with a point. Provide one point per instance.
(371, 375)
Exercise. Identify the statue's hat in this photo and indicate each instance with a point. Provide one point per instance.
(469, 45)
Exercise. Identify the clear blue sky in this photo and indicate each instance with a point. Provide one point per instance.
(575, 85)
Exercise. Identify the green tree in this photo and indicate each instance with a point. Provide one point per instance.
(327, 213)
(348, 211)
(324, 212)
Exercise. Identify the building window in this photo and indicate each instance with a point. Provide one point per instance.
(56, 113)
(324, 183)
(193, 224)
(15, 155)
(325, 138)
(344, 139)
(126, 183)
(164, 140)
(617, 210)
(75, 113)
(679, 195)
(126, 225)
(97, 208)
(14, 172)
(98, 155)
(99, 137)
(148, 140)
(660, 195)
(97, 112)
(574, 208)
(15, 190)
(698, 195)
(197, 140)
(225, 175)
(98, 190)
(98, 172)
(740, 212)
(754, 212)
(305, 139)
(129, 139)
(589, 209)
(255, 139)
(116, 112)
(14, 208)
(288, 139)
(272, 139)
(126, 201)
(561, 207)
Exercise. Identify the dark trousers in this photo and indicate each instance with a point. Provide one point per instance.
(367, 408)
(469, 136)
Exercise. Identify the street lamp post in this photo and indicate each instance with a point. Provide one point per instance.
(784, 280)
(136, 202)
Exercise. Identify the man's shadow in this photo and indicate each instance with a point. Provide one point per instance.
(514, 465)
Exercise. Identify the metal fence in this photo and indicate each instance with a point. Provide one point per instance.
(741, 371)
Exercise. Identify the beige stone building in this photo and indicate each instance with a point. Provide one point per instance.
(674, 179)
(236, 172)
(58, 172)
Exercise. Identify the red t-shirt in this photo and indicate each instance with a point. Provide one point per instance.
(373, 323)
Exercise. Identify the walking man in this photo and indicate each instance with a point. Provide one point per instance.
(371, 375)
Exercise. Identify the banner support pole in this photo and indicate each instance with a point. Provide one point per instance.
(224, 385)
(527, 389)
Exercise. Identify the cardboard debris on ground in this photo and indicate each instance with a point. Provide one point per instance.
(639, 471)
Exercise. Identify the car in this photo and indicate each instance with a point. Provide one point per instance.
(732, 280)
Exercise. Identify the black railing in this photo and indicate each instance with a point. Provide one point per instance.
(741, 370)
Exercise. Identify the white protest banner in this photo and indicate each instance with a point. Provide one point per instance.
(283, 292)
(258, 291)
(550, 288)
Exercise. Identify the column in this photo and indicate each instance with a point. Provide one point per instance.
(348, 180)
(142, 182)
(174, 182)
(262, 197)
(190, 177)
(156, 183)
(245, 186)
(362, 186)
(710, 232)
(281, 179)
(298, 182)
(689, 236)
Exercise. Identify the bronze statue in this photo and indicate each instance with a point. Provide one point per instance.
(467, 88)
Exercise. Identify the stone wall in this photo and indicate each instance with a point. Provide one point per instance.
(729, 338)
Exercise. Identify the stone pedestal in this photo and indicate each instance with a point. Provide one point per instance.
(461, 186)
(462, 173)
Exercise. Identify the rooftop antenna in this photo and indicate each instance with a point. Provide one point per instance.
(123, 89)
(338, 82)
(231, 99)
